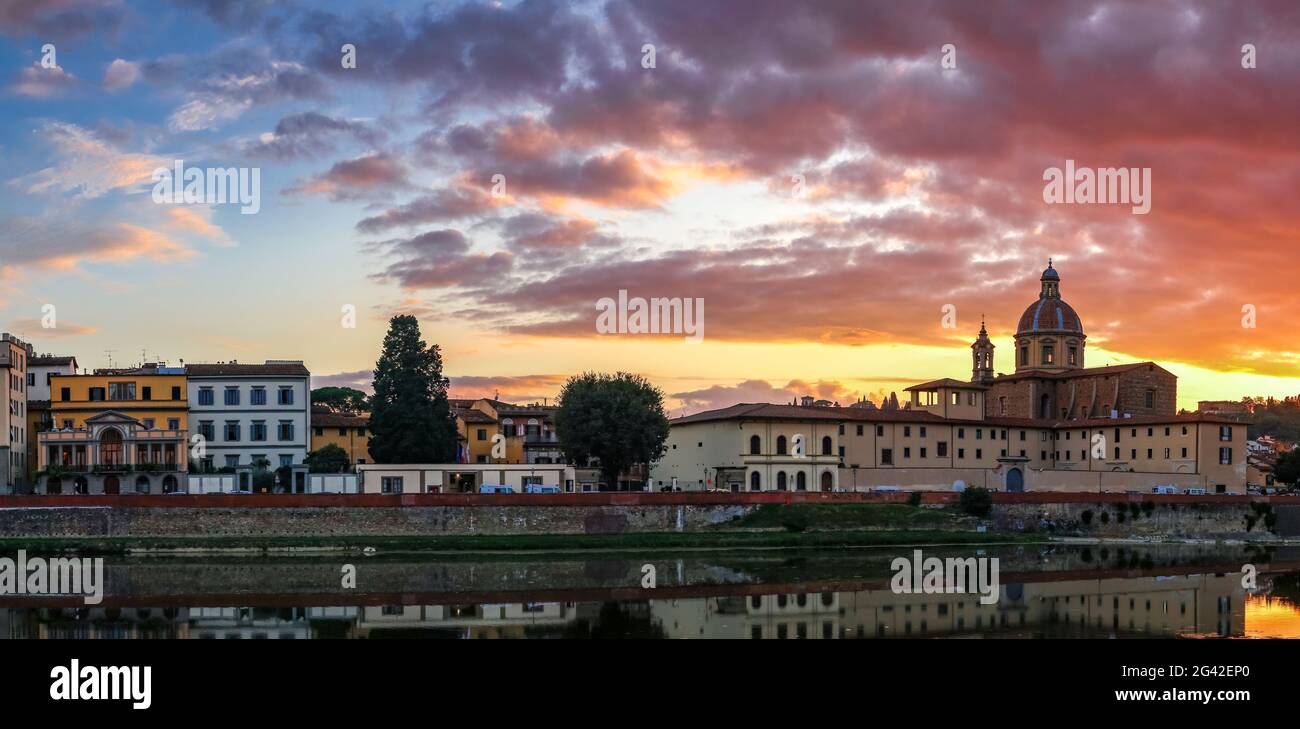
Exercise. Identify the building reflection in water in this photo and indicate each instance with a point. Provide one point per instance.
(1189, 605)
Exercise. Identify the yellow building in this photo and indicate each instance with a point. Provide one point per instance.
(116, 431)
(349, 432)
(491, 431)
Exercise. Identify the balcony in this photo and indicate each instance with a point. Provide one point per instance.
(73, 468)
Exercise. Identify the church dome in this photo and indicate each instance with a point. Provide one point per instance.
(1050, 313)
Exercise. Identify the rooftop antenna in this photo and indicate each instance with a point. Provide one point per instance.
(109, 354)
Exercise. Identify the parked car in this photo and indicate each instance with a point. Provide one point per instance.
(540, 489)
(1164, 489)
(1194, 492)
(489, 488)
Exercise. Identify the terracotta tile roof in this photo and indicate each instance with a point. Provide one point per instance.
(234, 369)
(337, 420)
(49, 361)
(766, 411)
(473, 416)
(947, 382)
(1086, 372)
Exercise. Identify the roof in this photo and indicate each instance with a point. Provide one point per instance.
(338, 420)
(49, 361)
(1085, 372)
(1049, 314)
(234, 369)
(470, 415)
(766, 411)
(947, 382)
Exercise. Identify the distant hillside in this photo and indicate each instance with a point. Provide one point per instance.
(1278, 418)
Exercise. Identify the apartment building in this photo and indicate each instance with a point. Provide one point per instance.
(40, 370)
(248, 413)
(116, 431)
(15, 356)
(349, 432)
(527, 432)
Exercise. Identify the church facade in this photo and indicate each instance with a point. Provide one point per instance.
(1053, 424)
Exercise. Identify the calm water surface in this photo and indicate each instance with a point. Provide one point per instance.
(1045, 591)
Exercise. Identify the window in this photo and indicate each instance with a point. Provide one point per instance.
(1042, 455)
(956, 398)
(1225, 432)
(754, 481)
(1002, 406)
(319, 431)
(287, 460)
(780, 445)
(970, 399)
(146, 393)
(780, 481)
(979, 434)
(859, 431)
(1150, 432)
(1148, 454)
(1024, 355)
(1048, 355)
(481, 434)
(1225, 456)
(907, 431)
(841, 428)
(961, 452)
(907, 453)
(205, 395)
(1184, 430)
(827, 446)
(257, 396)
(755, 445)
(286, 430)
(148, 423)
(173, 423)
(31, 379)
(232, 461)
(922, 431)
(880, 431)
(1022, 435)
(121, 391)
(1166, 431)
(923, 453)
(232, 395)
(286, 396)
(1167, 453)
(887, 456)
(65, 393)
(257, 431)
(942, 449)
(1074, 356)
(207, 430)
(961, 433)
(1184, 453)
(979, 452)
(391, 484)
(232, 430)
(1151, 398)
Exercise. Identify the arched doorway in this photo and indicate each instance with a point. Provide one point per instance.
(110, 447)
(169, 485)
(112, 486)
(142, 484)
(80, 485)
(53, 485)
(827, 480)
(1015, 480)
(780, 481)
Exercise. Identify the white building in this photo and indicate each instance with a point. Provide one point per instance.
(39, 371)
(248, 412)
(14, 356)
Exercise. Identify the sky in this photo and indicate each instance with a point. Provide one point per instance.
(848, 186)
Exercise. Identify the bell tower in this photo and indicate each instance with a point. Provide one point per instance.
(982, 357)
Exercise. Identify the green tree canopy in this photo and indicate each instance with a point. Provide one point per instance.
(328, 459)
(342, 400)
(410, 418)
(617, 419)
(1287, 468)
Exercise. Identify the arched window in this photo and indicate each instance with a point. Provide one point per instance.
(80, 485)
(170, 485)
(826, 446)
(753, 481)
(142, 484)
(780, 480)
(780, 445)
(110, 447)
(755, 445)
(828, 481)
(801, 481)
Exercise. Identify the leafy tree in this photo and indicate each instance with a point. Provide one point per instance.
(410, 418)
(977, 501)
(328, 459)
(1287, 468)
(617, 419)
(342, 400)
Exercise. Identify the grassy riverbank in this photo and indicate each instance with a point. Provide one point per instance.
(638, 541)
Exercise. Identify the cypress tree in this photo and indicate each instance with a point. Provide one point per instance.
(410, 417)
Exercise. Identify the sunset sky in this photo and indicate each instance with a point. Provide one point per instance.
(923, 186)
